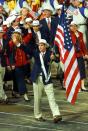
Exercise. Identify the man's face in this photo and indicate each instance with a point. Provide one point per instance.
(47, 13)
(42, 47)
(59, 12)
(36, 28)
(28, 25)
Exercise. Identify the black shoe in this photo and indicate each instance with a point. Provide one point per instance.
(8, 101)
(84, 90)
(27, 100)
(4, 101)
(41, 119)
(15, 95)
(57, 119)
(63, 88)
(1, 101)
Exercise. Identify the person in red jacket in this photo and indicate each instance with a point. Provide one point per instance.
(20, 63)
(81, 51)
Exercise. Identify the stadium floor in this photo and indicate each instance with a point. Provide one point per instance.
(19, 116)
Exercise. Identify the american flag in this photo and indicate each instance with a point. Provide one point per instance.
(68, 57)
(72, 10)
(34, 14)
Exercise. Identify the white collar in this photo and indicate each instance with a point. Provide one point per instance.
(48, 19)
(42, 53)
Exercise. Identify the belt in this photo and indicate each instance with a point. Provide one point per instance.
(82, 24)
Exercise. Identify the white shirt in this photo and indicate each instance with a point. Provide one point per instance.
(43, 53)
(48, 19)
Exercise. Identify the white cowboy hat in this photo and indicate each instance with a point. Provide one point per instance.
(43, 41)
(35, 23)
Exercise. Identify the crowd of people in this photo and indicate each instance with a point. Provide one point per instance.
(27, 47)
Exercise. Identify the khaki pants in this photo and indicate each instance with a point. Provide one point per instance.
(38, 88)
(2, 93)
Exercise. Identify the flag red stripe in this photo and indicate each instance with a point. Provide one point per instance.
(66, 56)
(76, 92)
(59, 30)
(59, 38)
(69, 66)
(71, 82)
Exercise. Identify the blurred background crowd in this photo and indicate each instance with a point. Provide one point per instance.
(28, 21)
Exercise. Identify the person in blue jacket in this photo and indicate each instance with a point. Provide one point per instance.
(41, 78)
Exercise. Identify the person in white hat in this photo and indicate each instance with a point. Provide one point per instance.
(27, 31)
(36, 31)
(14, 23)
(80, 15)
(58, 9)
(28, 26)
(3, 14)
(41, 78)
(81, 51)
(28, 23)
(47, 24)
(19, 63)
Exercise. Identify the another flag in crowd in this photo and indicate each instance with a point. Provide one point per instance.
(63, 40)
(34, 14)
(72, 10)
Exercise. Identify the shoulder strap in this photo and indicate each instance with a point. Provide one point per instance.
(82, 11)
(21, 3)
